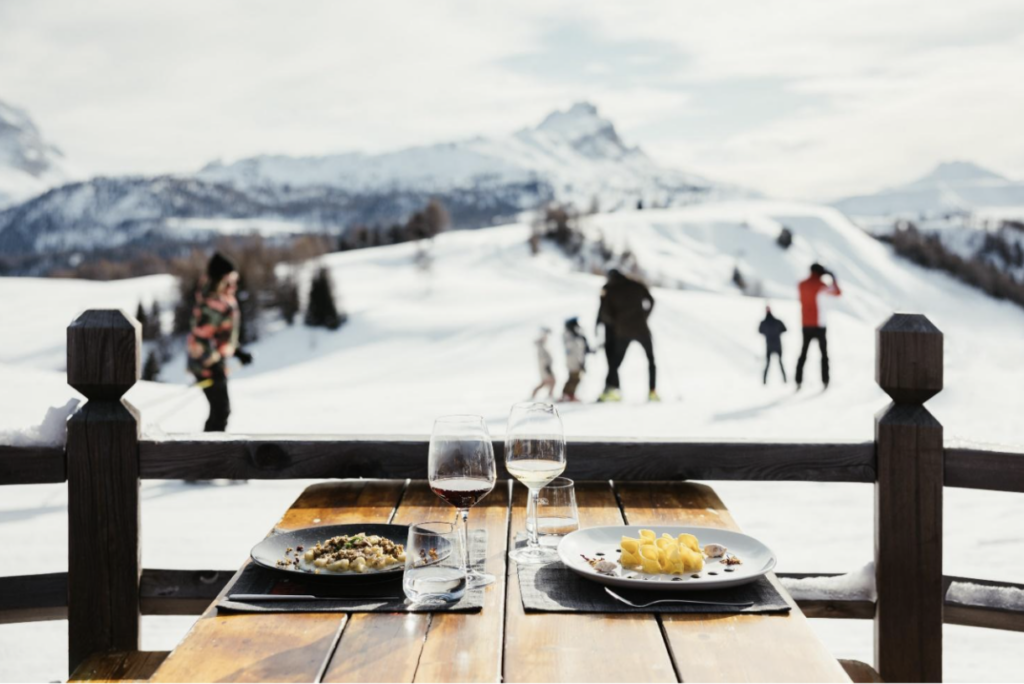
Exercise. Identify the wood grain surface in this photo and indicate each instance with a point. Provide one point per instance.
(284, 457)
(498, 644)
(705, 648)
(280, 647)
(32, 465)
(568, 647)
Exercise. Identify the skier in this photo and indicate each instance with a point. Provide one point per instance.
(576, 350)
(625, 307)
(214, 337)
(544, 361)
(813, 321)
(772, 329)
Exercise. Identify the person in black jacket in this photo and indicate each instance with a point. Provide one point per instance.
(625, 306)
(772, 329)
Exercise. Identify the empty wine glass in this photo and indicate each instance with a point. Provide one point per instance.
(461, 470)
(534, 455)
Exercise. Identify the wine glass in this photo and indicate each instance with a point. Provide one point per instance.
(461, 470)
(534, 455)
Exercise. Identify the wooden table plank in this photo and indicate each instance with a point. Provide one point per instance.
(573, 647)
(765, 648)
(280, 647)
(461, 647)
(385, 647)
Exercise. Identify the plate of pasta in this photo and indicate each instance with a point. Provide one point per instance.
(341, 552)
(666, 557)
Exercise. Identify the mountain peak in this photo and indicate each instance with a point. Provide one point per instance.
(586, 131)
(21, 144)
(580, 121)
(959, 171)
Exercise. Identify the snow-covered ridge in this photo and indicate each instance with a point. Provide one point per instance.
(572, 156)
(28, 163)
(950, 187)
(577, 153)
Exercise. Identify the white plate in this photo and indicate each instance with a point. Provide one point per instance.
(757, 559)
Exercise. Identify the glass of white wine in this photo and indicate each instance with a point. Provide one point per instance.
(534, 455)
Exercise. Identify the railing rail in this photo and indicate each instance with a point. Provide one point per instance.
(104, 594)
(291, 457)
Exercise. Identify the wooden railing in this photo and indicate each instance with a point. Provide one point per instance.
(105, 589)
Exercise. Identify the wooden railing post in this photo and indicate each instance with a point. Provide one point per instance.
(908, 503)
(104, 350)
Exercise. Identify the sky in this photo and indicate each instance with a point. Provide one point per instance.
(802, 100)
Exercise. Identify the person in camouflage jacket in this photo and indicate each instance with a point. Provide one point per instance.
(214, 337)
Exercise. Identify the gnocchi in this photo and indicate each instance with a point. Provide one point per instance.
(358, 553)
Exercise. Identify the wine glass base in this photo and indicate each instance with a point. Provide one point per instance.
(534, 555)
(476, 580)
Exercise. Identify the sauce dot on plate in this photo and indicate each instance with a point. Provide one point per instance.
(695, 576)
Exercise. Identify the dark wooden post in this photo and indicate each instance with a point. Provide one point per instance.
(104, 351)
(908, 503)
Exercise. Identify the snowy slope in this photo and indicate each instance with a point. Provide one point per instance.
(462, 335)
(460, 340)
(576, 153)
(950, 187)
(29, 164)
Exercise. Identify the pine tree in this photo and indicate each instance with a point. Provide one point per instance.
(435, 218)
(738, 280)
(151, 370)
(140, 316)
(322, 311)
(151, 327)
(288, 300)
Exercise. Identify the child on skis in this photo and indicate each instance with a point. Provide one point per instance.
(544, 361)
(576, 350)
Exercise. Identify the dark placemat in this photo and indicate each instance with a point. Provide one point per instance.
(364, 595)
(554, 588)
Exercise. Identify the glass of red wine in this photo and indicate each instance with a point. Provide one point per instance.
(461, 470)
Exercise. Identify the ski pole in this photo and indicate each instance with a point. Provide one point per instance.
(202, 384)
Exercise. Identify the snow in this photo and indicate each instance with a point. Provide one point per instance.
(971, 594)
(28, 164)
(951, 186)
(577, 152)
(852, 586)
(52, 431)
(459, 340)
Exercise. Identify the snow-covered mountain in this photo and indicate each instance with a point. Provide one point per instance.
(956, 186)
(28, 163)
(571, 156)
(574, 155)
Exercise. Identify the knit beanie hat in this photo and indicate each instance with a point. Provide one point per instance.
(219, 266)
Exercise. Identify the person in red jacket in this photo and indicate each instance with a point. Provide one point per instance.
(813, 321)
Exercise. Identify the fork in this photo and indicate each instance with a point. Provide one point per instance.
(702, 603)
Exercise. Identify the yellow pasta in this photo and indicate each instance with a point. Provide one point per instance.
(689, 541)
(661, 555)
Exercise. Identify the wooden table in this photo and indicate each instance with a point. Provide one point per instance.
(502, 642)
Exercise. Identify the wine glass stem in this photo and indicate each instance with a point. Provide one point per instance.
(535, 498)
(464, 514)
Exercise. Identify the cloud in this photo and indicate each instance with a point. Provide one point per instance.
(803, 99)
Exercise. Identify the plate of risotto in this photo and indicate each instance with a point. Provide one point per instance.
(352, 552)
